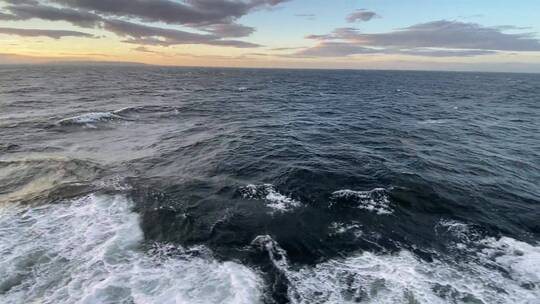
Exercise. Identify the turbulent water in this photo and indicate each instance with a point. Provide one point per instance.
(162, 185)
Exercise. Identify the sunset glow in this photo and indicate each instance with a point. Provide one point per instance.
(371, 34)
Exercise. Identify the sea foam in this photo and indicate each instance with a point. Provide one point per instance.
(375, 200)
(90, 250)
(506, 271)
(88, 119)
(275, 200)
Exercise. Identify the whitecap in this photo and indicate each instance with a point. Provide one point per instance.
(88, 119)
(375, 200)
(276, 201)
(90, 251)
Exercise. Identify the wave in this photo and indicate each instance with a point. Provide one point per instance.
(276, 201)
(146, 109)
(375, 200)
(337, 228)
(505, 271)
(90, 250)
(89, 119)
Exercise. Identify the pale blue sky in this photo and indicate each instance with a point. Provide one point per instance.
(283, 26)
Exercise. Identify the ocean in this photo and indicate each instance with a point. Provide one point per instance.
(205, 185)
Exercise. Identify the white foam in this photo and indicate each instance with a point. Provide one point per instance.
(375, 200)
(276, 201)
(506, 272)
(89, 118)
(459, 230)
(521, 260)
(89, 251)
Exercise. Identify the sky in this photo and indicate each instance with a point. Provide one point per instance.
(475, 35)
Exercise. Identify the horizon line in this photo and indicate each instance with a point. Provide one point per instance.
(82, 63)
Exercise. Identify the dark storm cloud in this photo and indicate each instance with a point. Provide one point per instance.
(56, 34)
(361, 15)
(438, 38)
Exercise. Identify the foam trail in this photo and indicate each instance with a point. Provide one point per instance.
(89, 251)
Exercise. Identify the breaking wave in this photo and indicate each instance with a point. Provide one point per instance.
(89, 119)
(506, 271)
(375, 200)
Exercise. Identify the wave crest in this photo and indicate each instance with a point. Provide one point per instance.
(276, 201)
(506, 271)
(89, 119)
(375, 200)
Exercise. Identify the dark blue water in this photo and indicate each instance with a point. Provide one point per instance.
(169, 185)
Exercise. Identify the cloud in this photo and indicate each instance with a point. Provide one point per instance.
(129, 18)
(144, 49)
(453, 34)
(149, 35)
(229, 29)
(25, 12)
(193, 13)
(6, 16)
(106, 15)
(56, 34)
(361, 15)
(343, 49)
(437, 39)
(442, 52)
(286, 48)
(342, 33)
(335, 49)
